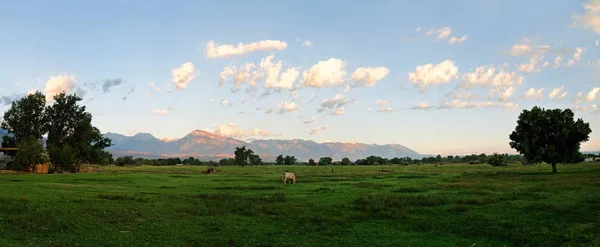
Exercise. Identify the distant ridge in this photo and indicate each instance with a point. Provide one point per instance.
(209, 146)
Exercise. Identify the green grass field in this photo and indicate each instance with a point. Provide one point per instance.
(427, 205)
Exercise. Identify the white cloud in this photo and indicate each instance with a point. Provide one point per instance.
(183, 75)
(520, 49)
(418, 29)
(570, 63)
(562, 96)
(332, 104)
(229, 130)
(153, 86)
(294, 95)
(284, 107)
(58, 84)
(381, 102)
(241, 100)
(487, 77)
(531, 66)
(557, 61)
(324, 74)
(532, 93)
(555, 92)
(225, 51)
(597, 42)
(306, 43)
(429, 74)
(31, 91)
(458, 104)
(269, 111)
(367, 77)
(506, 94)
(590, 18)
(546, 63)
(347, 88)
(243, 74)
(442, 33)
(225, 102)
(578, 52)
(591, 96)
(275, 79)
(338, 111)
(386, 109)
(318, 129)
(309, 120)
(160, 111)
(421, 106)
(211, 100)
(457, 40)
(368, 109)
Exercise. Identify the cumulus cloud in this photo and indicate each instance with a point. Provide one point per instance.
(557, 61)
(429, 74)
(418, 29)
(486, 76)
(555, 92)
(368, 109)
(441, 33)
(367, 77)
(232, 130)
(309, 120)
(386, 109)
(331, 105)
(562, 96)
(520, 49)
(532, 93)
(347, 88)
(531, 66)
(225, 102)
(244, 74)
(183, 75)
(457, 40)
(60, 83)
(325, 74)
(381, 102)
(307, 43)
(284, 107)
(504, 94)
(338, 111)
(109, 83)
(214, 50)
(160, 111)
(590, 18)
(591, 96)
(274, 77)
(421, 106)
(463, 104)
(316, 130)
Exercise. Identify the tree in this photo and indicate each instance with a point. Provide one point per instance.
(289, 160)
(311, 162)
(25, 118)
(30, 154)
(69, 124)
(497, 160)
(241, 156)
(438, 158)
(63, 157)
(346, 162)
(325, 161)
(279, 160)
(254, 160)
(551, 136)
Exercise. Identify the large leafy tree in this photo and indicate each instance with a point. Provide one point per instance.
(31, 153)
(69, 124)
(549, 135)
(25, 119)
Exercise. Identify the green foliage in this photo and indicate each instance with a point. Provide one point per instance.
(346, 162)
(497, 160)
(551, 136)
(31, 153)
(69, 124)
(63, 157)
(9, 142)
(289, 160)
(125, 161)
(312, 162)
(279, 160)
(325, 161)
(25, 118)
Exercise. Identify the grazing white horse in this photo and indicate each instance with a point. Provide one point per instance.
(289, 176)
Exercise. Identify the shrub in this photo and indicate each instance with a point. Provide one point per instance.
(497, 160)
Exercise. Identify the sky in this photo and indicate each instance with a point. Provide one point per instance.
(440, 77)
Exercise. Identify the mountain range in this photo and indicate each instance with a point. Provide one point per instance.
(208, 146)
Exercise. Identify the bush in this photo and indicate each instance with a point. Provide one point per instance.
(497, 160)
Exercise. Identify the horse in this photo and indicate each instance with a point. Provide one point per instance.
(288, 176)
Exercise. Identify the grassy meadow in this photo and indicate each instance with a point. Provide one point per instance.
(426, 205)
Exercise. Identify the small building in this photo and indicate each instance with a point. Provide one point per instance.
(592, 159)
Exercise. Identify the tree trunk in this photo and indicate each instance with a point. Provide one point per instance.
(554, 168)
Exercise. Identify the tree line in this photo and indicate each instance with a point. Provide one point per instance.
(71, 139)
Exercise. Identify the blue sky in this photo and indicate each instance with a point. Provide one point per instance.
(360, 70)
